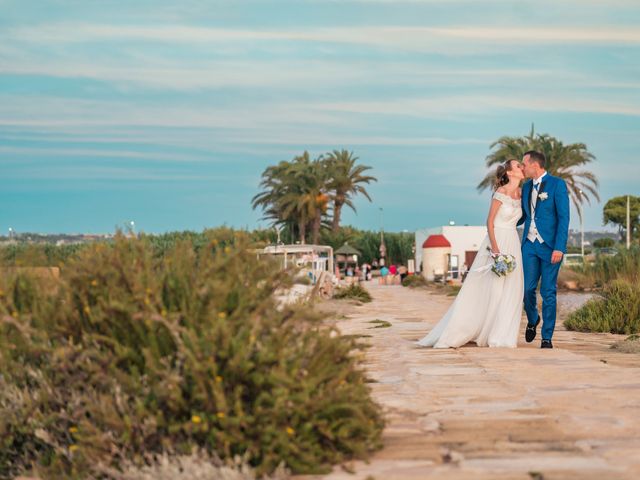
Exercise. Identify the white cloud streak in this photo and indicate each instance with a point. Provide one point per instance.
(398, 37)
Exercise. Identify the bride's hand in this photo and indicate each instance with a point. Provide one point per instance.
(494, 253)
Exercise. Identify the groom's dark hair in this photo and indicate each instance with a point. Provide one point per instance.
(537, 157)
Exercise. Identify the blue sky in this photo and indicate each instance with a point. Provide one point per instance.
(166, 113)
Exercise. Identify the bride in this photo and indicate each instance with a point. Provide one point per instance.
(488, 308)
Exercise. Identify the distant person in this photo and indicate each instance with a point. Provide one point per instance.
(393, 274)
(403, 271)
(349, 271)
(384, 272)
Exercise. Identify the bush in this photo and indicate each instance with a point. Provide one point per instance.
(624, 265)
(606, 242)
(353, 291)
(617, 312)
(414, 281)
(132, 352)
(573, 278)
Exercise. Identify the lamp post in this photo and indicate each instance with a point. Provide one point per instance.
(628, 222)
(581, 223)
(383, 248)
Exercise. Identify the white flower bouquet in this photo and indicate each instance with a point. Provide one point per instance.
(503, 264)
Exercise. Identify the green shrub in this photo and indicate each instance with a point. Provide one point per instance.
(617, 312)
(354, 291)
(624, 265)
(606, 242)
(414, 281)
(132, 353)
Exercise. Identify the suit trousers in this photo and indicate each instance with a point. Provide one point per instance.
(536, 259)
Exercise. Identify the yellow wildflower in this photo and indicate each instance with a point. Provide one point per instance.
(227, 249)
(163, 312)
(1, 293)
(14, 313)
(218, 379)
(147, 302)
(87, 310)
(94, 283)
(220, 415)
(73, 448)
(149, 291)
(196, 419)
(252, 338)
(290, 431)
(73, 429)
(222, 315)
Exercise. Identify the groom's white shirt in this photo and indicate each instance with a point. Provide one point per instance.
(533, 230)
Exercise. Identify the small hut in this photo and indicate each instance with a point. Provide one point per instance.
(347, 256)
(435, 257)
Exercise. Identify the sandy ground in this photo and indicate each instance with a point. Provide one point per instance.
(568, 413)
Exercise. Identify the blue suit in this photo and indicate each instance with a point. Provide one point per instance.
(552, 222)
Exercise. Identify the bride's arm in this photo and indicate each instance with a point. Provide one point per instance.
(493, 211)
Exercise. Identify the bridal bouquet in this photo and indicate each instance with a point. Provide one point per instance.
(503, 265)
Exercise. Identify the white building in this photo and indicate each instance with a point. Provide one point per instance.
(465, 242)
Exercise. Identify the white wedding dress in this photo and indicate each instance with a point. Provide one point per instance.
(488, 308)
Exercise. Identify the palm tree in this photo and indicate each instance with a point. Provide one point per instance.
(308, 199)
(275, 185)
(345, 181)
(564, 161)
(295, 193)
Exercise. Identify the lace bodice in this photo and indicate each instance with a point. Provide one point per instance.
(509, 213)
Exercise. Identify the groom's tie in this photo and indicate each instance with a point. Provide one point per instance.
(534, 196)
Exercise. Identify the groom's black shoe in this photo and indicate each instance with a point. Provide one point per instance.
(530, 332)
(546, 344)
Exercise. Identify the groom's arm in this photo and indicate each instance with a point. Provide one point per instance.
(561, 199)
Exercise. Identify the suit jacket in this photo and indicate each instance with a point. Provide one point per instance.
(552, 214)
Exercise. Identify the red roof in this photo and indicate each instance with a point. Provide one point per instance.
(436, 241)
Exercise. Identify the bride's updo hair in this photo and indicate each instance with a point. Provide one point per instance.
(501, 174)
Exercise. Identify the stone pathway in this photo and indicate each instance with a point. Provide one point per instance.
(526, 413)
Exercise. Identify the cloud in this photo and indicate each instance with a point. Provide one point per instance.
(175, 74)
(479, 104)
(103, 173)
(103, 153)
(409, 38)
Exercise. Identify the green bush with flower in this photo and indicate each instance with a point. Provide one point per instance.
(132, 353)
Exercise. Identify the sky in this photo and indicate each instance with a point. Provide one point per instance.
(166, 113)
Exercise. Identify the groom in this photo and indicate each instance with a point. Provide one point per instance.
(545, 206)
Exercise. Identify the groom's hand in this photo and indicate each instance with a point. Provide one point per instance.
(556, 256)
